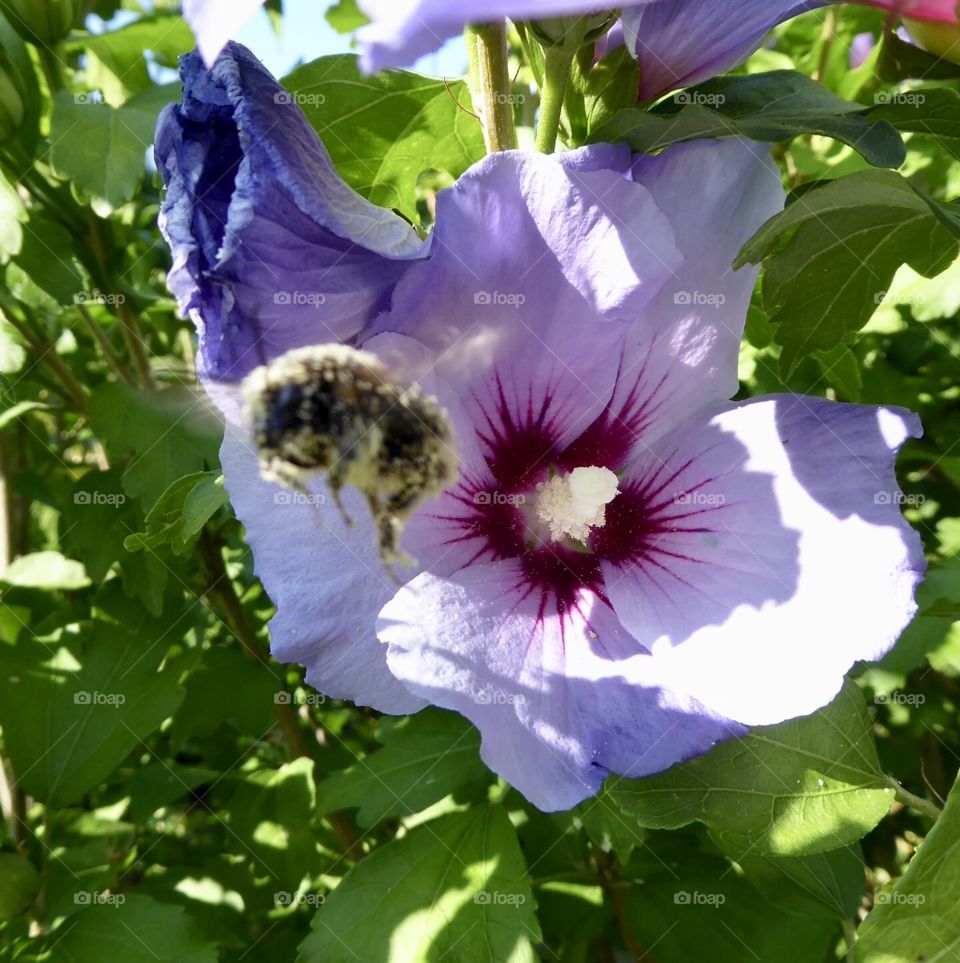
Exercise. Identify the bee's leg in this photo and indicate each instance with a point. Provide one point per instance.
(389, 529)
(335, 482)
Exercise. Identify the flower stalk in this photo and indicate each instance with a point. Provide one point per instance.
(558, 62)
(490, 85)
(917, 803)
(220, 586)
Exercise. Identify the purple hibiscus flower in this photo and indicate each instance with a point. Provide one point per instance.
(677, 42)
(628, 566)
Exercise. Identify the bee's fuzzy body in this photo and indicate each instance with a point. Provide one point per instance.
(334, 410)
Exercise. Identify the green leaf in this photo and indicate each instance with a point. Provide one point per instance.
(272, 812)
(135, 929)
(100, 149)
(384, 131)
(610, 86)
(919, 920)
(425, 758)
(20, 409)
(46, 570)
(345, 16)
(181, 513)
(698, 909)
(19, 884)
(45, 273)
(13, 215)
(24, 77)
(117, 65)
(828, 885)
(900, 60)
(841, 368)
(73, 710)
(451, 889)
(922, 110)
(173, 432)
(832, 254)
(802, 787)
(608, 826)
(211, 697)
(774, 106)
(158, 784)
(97, 519)
(13, 355)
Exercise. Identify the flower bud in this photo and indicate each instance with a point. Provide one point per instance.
(41, 22)
(11, 102)
(573, 32)
(938, 37)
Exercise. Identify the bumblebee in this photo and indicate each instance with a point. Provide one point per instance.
(334, 410)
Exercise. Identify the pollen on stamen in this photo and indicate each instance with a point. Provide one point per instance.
(573, 505)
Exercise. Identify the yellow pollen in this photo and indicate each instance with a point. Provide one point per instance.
(572, 505)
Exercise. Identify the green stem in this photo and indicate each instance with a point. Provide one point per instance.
(850, 938)
(616, 892)
(556, 75)
(133, 337)
(100, 337)
(220, 586)
(100, 242)
(53, 67)
(47, 354)
(917, 803)
(490, 83)
(827, 38)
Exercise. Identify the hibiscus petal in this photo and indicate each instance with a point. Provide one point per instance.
(684, 42)
(325, 578)
(402, 31)
(683, 348)
(214, 22)
(845, 591)
(559, 702)
(538, 266)
(271, 249)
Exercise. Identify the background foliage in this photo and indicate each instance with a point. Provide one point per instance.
(171, 793)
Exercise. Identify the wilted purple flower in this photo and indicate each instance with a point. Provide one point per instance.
(241, 206)
(629, 566)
